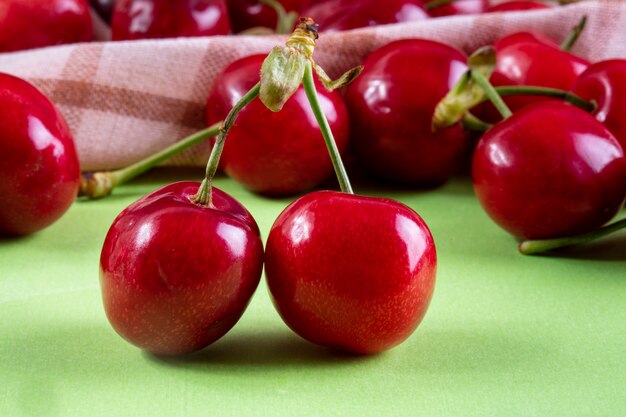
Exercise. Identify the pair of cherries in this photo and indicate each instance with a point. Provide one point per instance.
(179, 266)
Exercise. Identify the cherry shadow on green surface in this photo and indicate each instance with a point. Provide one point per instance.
(15, 240)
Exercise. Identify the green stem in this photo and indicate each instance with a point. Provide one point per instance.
(573, 36)
(471, 122)
(519, 90)
(437, 3)
(100, 184)
(492, 94)
(285, 21)
(203, 196)
(531, 247)
(335, 157)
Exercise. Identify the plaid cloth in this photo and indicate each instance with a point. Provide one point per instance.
(127, 100)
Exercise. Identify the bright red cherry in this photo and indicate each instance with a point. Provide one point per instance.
(458, 7)
(550, 170)
(176, 276)
(39, 170)
(274, 153)
(143, 19)
(26, 24)
(350, 272)
(246, 14)
(605, 82)
(332, 15)
(391, 107)
(517, 5)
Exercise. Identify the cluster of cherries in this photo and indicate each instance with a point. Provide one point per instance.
(52, 22)
(179, 266)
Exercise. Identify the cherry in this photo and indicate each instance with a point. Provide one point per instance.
(333, 15)
(27, 24)
(516, 5)
(247, 14)
(438, 8)
(351, 272)
(175, 275)
(548, 171)
(391, 106)
(605, 82)
(143, 19)
(39, 170)
(274, 153)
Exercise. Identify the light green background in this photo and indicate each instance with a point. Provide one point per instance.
(506, 335)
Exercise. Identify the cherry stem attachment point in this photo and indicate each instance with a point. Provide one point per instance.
(203, 196)
(491, 93)
(573, 36)
(532, 247)
(95, 185)
(311, 93)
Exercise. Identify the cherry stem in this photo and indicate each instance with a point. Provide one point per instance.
(471, 122)
(100, 184)
(522, 90)
(491, 93)
(433, 4)
(285, 23)
(573, 36)
(532, 247)
(203, 196)
(335, 157)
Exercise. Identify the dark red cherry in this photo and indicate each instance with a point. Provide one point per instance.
(26, 24)
(550, 170)
(143, 19)
(605, 82)
(350, 272)
(334, 15)
(391, 107)
(39, 171)
(517, 5)
(176, 276)
(274, 153)
(247, 14)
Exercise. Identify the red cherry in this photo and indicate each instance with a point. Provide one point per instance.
(391, 106)
(39, 171)
(605, 82)
(351, 272)
(143, 19)
(459, 7)
(550, 170)
(519, 5)
(26, 24)
(176, 276)
(332, 15)
(246, 14)
(274, 153)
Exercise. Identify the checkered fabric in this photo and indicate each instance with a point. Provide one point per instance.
(127, 100)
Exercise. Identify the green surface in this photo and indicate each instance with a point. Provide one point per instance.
(506, 335)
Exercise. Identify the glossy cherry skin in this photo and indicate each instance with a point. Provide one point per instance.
(605, 82)
(350, 272)
(274, 153)
(458, 7)
(176, 276)
(39, 170)
(247, 14)
(334, 15)
(26, 24)
(144, 19)
(550, 170)
(518, 5)
(391, 107)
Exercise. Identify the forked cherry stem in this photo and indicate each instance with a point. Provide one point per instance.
(203, 196)
(532, 247)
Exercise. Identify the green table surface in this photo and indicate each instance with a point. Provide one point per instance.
(505, 335)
